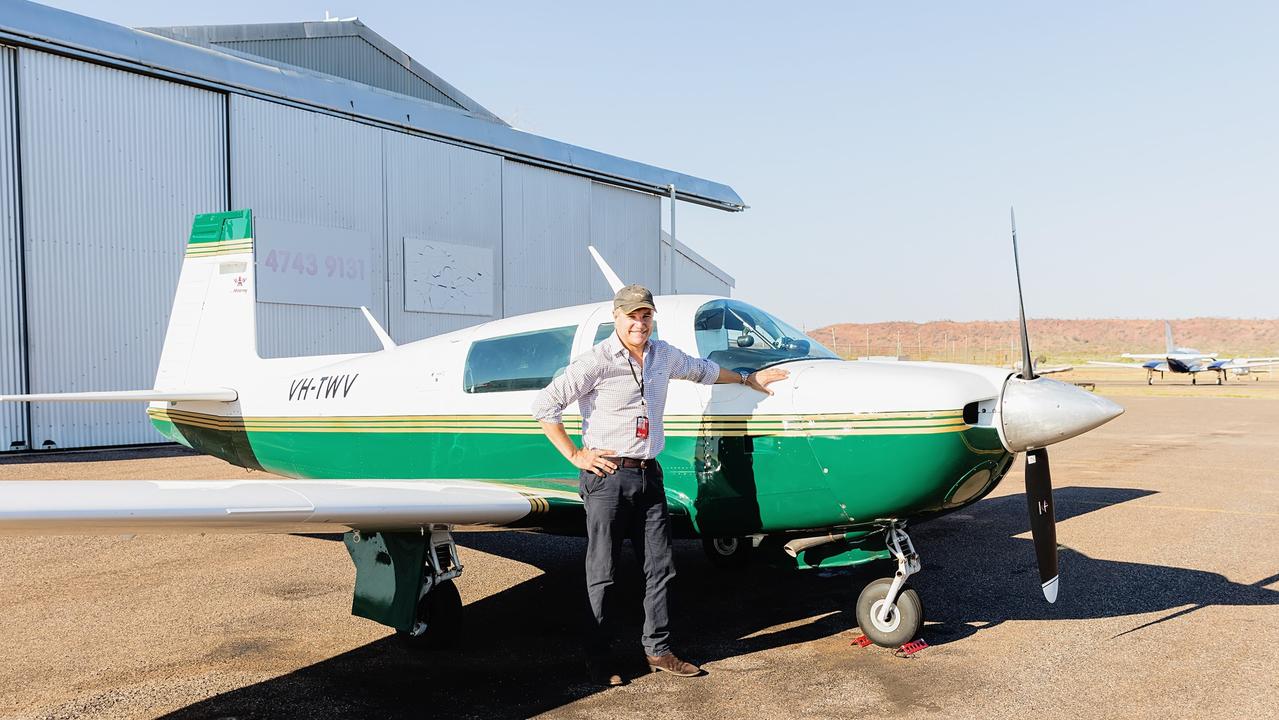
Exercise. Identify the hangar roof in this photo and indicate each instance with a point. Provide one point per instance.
(37, 26)
(345, 48)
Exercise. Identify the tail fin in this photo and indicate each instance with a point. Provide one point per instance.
(212, 332)
(1169, 345)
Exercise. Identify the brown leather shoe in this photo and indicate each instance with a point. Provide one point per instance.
(671, 664)
(603, 675)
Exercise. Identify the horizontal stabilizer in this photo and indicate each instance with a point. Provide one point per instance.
(97, 507)
(189, 395)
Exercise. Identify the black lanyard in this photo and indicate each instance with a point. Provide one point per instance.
(639, 380)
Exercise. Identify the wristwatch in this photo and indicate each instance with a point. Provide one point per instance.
(745, 376)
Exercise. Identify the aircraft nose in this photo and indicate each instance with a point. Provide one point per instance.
(1040, 412)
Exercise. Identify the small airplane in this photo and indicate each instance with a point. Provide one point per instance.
(1189, 361)
(396, 447)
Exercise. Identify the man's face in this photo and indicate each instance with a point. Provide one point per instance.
(634, 328)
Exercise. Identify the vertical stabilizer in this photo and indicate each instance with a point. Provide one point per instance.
(1169, 345)
(211, 336)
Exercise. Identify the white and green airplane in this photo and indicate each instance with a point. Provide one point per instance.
(397, 447)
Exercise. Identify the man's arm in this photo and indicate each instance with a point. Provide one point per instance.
(686, 367)
(758, 380)
(584, 458)
(578, 379)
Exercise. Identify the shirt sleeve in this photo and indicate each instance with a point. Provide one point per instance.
(579, 378)
(687, 367)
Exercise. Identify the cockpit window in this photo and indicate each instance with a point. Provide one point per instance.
(527, 361)
(738, 336)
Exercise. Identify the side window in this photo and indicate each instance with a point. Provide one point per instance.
(527, 361)
(606, 329)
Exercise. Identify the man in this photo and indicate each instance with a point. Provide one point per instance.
(620, 386)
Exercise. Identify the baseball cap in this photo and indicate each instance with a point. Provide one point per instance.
(632, 298)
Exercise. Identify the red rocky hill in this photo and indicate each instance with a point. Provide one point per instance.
(989, 342)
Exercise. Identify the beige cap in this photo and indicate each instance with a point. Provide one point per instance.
(632, 298)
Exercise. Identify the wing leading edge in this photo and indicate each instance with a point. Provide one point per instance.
(92, 507)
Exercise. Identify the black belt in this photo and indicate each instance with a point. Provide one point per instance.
(631, 462)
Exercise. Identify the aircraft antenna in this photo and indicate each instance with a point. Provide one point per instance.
(382, 337)
(613, 280)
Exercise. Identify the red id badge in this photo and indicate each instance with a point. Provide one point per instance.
(641, 427)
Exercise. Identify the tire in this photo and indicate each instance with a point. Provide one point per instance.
(441, 611)
(903, 623)
(727, 553)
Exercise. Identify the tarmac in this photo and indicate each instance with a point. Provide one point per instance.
(1168, 520)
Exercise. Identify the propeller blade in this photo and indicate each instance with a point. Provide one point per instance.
(1027, 367)
(1043, 523)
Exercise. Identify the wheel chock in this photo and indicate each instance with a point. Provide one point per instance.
(910, 648)
(861, 641)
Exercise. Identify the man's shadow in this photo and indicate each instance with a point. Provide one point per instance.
(521, 656)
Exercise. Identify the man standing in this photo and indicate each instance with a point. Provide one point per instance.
(620, 386)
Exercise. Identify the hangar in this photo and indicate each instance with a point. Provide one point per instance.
(373, 182)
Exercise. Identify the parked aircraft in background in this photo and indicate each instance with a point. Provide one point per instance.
(1190, 361)
(398, 446)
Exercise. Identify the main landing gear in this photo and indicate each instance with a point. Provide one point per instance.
(405, 580)
(889, 611)
(437, 622)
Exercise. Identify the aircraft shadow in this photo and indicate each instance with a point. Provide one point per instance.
(521, 656)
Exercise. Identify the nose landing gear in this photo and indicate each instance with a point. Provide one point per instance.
(889, 611)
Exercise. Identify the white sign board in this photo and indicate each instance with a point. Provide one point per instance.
(312, 265)
(445, 278)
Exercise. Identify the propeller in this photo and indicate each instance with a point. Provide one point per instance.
(1039, 486)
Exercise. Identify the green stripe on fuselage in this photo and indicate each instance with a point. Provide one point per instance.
(727, 483)
(219, 226)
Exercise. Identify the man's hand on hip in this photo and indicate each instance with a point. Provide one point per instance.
(594, 460)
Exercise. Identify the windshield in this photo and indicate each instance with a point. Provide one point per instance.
(738, 336)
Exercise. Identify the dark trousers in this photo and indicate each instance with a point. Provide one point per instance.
(630, 503)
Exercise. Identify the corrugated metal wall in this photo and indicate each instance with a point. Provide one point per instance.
(114, 165)
(691, 278)
(441, 193)
(314, 169)
(548, 220)
(546, 225)
(13, 417)
(624, 228)
(348, 57)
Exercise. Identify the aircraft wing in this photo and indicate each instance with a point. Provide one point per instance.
(1249, 363)
(103, 507)
(1145, 356)
(1101, 363)
(219, 394)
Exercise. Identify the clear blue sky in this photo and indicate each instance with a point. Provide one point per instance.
(880, 144)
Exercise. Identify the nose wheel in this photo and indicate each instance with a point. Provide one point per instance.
(889, 611)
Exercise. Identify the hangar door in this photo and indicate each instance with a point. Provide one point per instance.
(114, 166)
(13, 417)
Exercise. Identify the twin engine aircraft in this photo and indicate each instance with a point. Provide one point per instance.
(1190, 361)
(395, 448)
